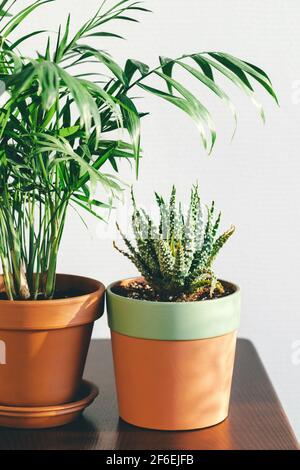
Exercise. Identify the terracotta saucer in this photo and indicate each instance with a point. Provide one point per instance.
(48, 416)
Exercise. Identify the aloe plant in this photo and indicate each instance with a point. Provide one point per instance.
(176, 257)
(56, 128)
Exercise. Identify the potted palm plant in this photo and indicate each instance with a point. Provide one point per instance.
(57, 145)
(174, 329)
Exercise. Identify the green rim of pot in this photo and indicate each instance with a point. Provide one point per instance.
(173, 320)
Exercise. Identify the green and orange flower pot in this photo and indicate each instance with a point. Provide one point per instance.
(173, 361)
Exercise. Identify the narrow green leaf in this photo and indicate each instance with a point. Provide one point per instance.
(61, 44)
(68, 131)
(131, 67)
(4, 13)
(167, 65)
(24, 38)
(132, 123)
(206, 68)
(103, 34)
(93, 202)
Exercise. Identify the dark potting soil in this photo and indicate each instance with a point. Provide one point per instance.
(140, 290)
(57, 295)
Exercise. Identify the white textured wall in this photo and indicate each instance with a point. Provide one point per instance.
(254, 180)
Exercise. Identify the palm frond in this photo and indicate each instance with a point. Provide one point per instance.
(237, 71)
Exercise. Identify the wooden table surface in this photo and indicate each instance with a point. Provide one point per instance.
(256, 419)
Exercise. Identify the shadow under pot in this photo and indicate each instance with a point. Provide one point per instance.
(44, 343)
(173, 361)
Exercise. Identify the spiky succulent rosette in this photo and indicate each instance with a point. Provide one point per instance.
(176, 257)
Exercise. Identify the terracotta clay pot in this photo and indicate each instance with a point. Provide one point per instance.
(173, 360)
(44, 344)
